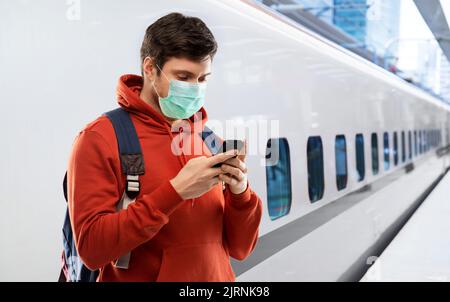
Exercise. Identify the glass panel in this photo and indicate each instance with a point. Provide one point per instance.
(395, 149)
(375, 162)
(360, 159)
(403, 147)
(386, 151)
(278, 177)
(341, 162)
(409, 144)
(416, 146)
(316, 180)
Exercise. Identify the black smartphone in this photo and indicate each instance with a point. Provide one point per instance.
(230, 144)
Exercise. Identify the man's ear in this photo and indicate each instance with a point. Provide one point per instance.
(148, 69)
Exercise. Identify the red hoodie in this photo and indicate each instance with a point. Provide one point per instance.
(170, 239)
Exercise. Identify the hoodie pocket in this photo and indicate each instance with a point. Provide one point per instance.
(197, 263)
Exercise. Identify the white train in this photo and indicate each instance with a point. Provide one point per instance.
(339, 117)
(361, 144)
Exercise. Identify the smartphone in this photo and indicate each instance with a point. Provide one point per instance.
(230, 144)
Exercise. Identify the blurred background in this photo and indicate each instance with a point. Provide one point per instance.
(405, 37)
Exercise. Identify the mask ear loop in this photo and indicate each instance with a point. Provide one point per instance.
(153, 83)
(163, 73)
(197, 82)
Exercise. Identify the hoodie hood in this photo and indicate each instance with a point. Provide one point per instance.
(128, 91)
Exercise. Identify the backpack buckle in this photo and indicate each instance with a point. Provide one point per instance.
(133, 186)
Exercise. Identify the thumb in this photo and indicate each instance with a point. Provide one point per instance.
(219, 158)
(243, 152)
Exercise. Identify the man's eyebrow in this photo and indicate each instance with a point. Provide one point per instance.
(188, 72)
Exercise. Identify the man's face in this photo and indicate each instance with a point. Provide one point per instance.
(177, 69)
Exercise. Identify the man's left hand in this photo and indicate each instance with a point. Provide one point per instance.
(235, 172)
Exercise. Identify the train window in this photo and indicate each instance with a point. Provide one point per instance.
(438, 140)
(424, 142)
(386, 151)
(403, 147)
(416, 147)
(341, 162)
(316, 179)
(429, 140)
(375, 162)
(409, 144)
(422, 137)
(420, 142)
(435, 138)
(439, 137)
(425, 135)
(432, 138)
(360, 159)
(431, 135)
(395, 149)
(278, 177)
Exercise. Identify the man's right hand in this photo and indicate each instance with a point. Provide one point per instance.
(198, 176)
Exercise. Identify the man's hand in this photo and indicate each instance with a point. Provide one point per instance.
(235, 172)
(198, 176)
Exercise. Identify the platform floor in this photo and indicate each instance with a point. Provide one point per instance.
(421, 250)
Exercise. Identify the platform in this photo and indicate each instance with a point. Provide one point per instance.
(421, 250)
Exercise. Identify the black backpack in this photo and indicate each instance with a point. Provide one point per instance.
(132, 162)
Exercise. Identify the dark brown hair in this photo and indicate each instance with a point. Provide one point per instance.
(176, 35)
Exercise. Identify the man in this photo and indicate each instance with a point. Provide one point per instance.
(190, 216)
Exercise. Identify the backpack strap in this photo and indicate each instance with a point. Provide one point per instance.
(131, 157)
(132, 163)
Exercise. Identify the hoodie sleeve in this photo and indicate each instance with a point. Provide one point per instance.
(241, 222)
(101, 234)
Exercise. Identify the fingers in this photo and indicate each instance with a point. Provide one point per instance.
(236, 162)
(243, 151)
(228, 179)
(214, 181)
(212, 172)
(219, 158)
(233, 171)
